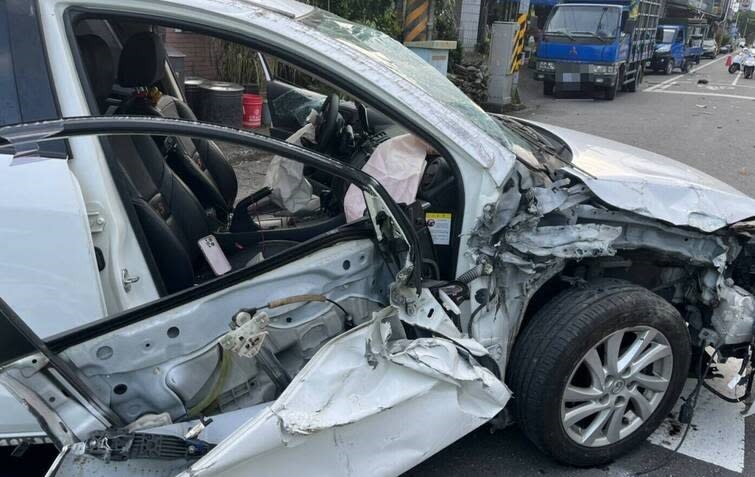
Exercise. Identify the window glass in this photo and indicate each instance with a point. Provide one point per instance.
(580, 20)
(25, 86)
(665, 35)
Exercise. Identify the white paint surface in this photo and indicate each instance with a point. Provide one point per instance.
(694, 93)
(675, 78)
(717, 435)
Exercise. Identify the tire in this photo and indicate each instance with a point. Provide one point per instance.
(548, 88)
(610, 93)
(697, 60)
(733, 68)
(551, 353)
(685, 67)
(636, 84)
(669, 67)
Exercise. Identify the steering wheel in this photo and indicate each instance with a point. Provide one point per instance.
(327, 123)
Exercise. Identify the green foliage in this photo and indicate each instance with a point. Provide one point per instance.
(235, 63)
(445, 20)
(446, 27)
(746, 25)
(378, 14)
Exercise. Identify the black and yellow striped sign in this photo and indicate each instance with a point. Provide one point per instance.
(417, 17)
(519, 40)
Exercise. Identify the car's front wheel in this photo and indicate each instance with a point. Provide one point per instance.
(597, 369)
(669, 68)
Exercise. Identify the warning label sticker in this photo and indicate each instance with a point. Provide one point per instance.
(440, 227)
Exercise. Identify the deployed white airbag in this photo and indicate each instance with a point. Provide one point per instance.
(290, 190)
(397, 164)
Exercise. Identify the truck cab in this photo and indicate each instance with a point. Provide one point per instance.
(595, 47)
(677, 46)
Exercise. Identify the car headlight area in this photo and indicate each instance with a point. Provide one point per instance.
(601, 69)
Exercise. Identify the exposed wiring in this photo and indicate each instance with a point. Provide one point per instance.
(346, 315)
(470, 275)
(687, 411)
(310, 298)
(217, 388)
(474, 314)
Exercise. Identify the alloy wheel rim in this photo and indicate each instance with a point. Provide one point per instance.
(616, 386)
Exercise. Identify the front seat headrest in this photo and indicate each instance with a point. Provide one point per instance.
(142, 61)
(98, 64)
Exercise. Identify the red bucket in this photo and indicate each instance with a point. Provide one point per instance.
(252, 111)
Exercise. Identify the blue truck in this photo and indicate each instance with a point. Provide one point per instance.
(598, 47)
(678, 44)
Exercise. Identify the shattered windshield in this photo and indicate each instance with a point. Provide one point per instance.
(584, 20)
(403, 62)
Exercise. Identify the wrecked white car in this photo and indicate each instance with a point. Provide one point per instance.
(357, 314)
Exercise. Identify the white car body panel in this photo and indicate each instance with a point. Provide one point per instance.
(56, 288)
(18, 425)
(653, 185)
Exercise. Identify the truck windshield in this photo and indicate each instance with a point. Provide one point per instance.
(665, 35)
(589, 20)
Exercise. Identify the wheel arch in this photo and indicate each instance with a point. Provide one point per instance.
(640, 267)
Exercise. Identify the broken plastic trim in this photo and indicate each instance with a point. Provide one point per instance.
(20, 136)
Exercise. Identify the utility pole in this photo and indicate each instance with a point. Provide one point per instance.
(518, 51)
(416, 20)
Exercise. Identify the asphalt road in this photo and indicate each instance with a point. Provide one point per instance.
(705, 119)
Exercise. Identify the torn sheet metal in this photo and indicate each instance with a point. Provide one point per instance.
(348, 411)
(428, 314)
(423, 361)
(567, 241)
(652, 185)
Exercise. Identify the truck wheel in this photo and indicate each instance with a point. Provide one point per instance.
(597, 369)
(669, 67)
(548, 88)
(685, 66)
(635, 84)
(610, 92)
(697, 60)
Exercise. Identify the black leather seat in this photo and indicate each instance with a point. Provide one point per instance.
(171, 217)
(198, 162)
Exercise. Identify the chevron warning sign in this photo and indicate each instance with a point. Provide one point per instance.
(417, 17)
(519, 40)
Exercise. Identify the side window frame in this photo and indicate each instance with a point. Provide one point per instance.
(26, 89)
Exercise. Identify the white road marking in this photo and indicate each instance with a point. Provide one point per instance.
(695, 93)
(698, 68)
(736, 78)
(717, 435)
